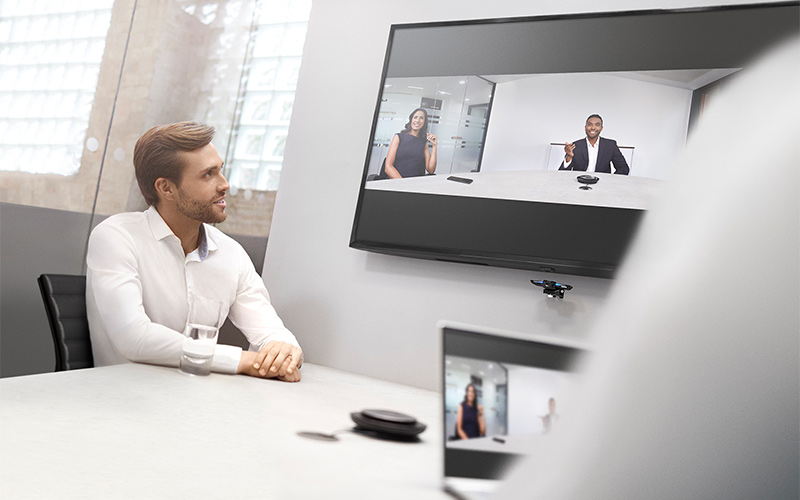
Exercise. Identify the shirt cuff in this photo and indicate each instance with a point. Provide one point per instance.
(226, 358)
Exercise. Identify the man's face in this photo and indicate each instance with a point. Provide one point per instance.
(201, 193)
(593, 127)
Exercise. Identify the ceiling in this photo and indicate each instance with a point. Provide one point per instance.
(690, 79)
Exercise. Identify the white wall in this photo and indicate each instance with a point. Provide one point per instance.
(529, 114)
(370, 313)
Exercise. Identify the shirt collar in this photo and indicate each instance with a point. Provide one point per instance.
(161, 230)
(596, 144)
(207, 243)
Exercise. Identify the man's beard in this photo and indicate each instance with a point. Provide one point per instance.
(199, 211)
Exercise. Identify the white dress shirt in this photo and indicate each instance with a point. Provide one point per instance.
(593, 149)
(138, 286)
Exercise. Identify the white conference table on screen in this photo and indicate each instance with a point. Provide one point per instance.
(141, 431)
(553, 186)
(520, 444)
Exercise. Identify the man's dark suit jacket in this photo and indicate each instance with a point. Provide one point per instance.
(607, 154)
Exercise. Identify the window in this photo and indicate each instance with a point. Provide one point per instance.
(81, 80)
(267, 87)
(51, 58)
(50, 55)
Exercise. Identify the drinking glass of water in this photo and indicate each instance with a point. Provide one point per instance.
(202, 331)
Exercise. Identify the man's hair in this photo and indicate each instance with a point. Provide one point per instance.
(595, 116)
(156, 154)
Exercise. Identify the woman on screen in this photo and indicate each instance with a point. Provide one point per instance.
(409, 154)
(469, 421)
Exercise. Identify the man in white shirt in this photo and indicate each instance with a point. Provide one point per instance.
(594, 153)
(144, 267)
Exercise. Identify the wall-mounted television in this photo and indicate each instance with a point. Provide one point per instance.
(502, 98)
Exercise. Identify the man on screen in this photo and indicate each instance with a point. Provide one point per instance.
(595, 153)
(143, 268)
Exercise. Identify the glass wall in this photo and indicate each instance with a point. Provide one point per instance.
(81, 80)
(50, 61)
(457, 108)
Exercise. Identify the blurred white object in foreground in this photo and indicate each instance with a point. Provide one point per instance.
(695, 390)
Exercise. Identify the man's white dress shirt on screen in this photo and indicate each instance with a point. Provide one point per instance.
(593, 149)
(138, 286)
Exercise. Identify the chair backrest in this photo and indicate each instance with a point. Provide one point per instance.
(64, 299)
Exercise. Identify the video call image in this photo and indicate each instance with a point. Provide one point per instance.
(503, 131)
(502, 407)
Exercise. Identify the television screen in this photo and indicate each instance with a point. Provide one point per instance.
(538, 143)
(504, 395)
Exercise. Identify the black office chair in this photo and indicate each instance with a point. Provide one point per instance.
(64, 299)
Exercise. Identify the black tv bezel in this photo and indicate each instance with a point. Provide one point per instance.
(579, 240)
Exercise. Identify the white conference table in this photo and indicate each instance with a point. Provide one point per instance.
(553, 186)
(141, 431)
